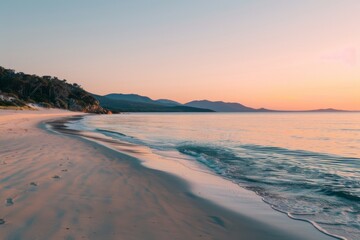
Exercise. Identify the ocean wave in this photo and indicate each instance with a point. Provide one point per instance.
(297, 182)
(110, 132)
(300, 153)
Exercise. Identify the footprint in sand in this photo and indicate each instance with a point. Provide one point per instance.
(9, 202)
(56, 177)
(217, 220)
(64, 170)
(33, 184)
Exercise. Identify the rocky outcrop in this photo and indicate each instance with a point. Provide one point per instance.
(79, 106)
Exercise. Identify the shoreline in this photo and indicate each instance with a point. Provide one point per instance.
(251, 205)
(67, 187)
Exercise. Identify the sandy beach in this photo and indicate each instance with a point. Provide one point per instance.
(55, 186)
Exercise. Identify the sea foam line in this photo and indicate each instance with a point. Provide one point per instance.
(317, 226)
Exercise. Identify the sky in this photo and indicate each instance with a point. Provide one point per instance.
(277, 54)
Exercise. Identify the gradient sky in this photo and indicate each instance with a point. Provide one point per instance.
(276, 54)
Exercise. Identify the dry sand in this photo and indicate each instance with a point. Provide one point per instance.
(60, 187)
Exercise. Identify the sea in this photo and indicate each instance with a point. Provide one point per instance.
(306, 165)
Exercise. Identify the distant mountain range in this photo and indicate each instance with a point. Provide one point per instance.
(137, 103)
(141, 99)
(326, 110)
(219, 106)
(118, 102)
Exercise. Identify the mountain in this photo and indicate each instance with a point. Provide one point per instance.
(141, 99)
(219, 106)
(119, 102)
(327, 110)
(129, 97)
(18, 89)
(137, 103)
(168, 102)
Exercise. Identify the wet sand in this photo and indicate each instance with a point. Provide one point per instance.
(55, 186)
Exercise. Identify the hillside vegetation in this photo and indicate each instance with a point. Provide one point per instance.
(18, 89)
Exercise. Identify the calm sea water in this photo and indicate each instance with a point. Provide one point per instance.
(304, 164)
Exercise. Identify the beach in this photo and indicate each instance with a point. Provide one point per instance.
(59, 186)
